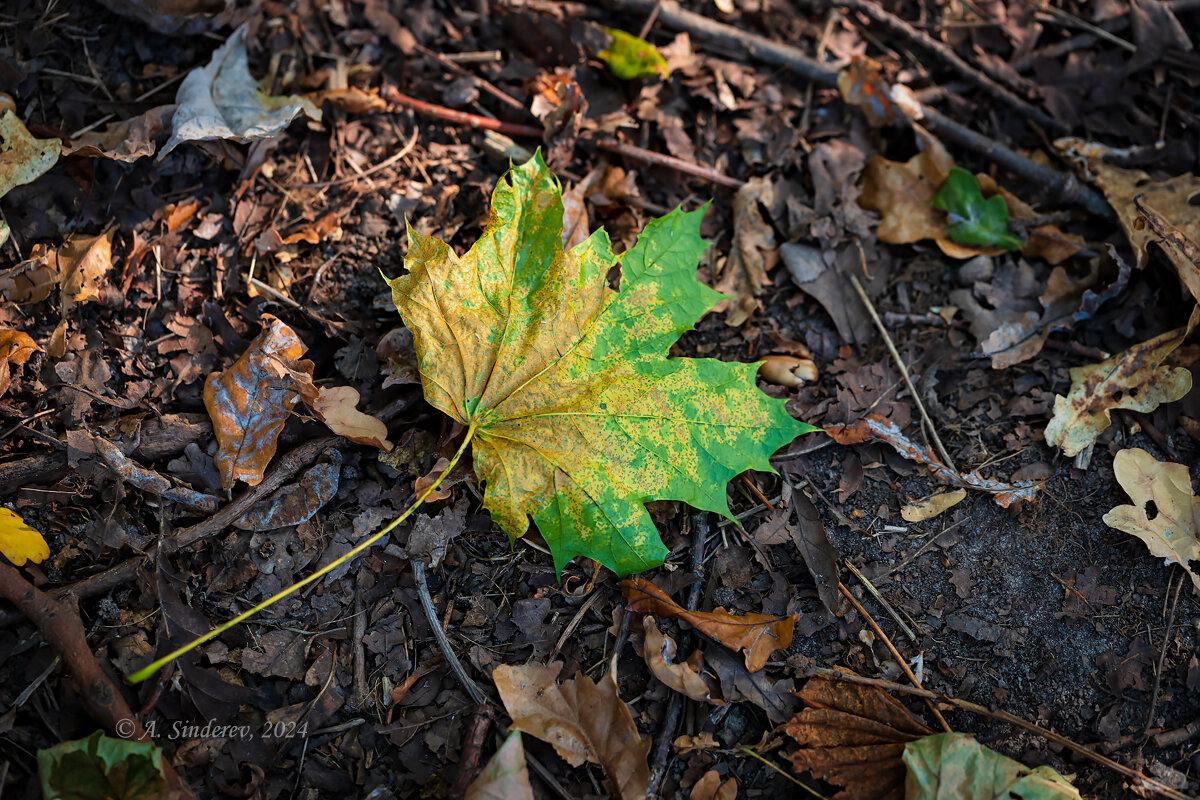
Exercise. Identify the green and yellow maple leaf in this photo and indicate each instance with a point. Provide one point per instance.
(578, 416)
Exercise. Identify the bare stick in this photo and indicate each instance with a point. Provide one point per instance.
(887, 339)
(418, 568)
(460, 117)
(870, 587)
(670, 162)
(1162, 656)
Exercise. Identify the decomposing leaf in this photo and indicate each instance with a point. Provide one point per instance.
(1173, 530)
(686, 677)
(972, 220)
(22, 157)
(853, 736)
(222, 101)
(431, 536)
(582, 720)
(1181, 249)
(710, 787)
(127, 140)
(297, 502)
(630, 57)
(954, 765)
(876, 428)
(690, 744)
(101, 768)
(903, 195)
(745, 272)
(397, 358)
(756, 635)
(930, 507)
(861, 83)
(19, 542)
(352, 99)
(77, 267)
(16, 347)
(776, 698)
(506, 776)
(1135, 380)
(578, 418)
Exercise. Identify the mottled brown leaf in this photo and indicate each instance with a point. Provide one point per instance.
(297, 502)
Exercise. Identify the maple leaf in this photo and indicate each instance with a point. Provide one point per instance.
(578, 416)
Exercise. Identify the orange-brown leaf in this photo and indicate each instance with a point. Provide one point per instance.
(709, 787)
(15, 348)
(686, 677)
(337, 407)
(582, 720)
(756, 635)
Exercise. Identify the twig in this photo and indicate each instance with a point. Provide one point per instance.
(1162, 656)
(1011, 719)
(91, 586)
(486, 85)
(908, 673)
(359, 696)
(393, 95)
(887, 340)
(670, 162)
(650, 20)
(879, 598)
(472, 752)
(418, 568)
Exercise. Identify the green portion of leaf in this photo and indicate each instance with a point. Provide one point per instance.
(630, 57)
(974, 221)
(953, 766)
(579, 416)
(100, 768)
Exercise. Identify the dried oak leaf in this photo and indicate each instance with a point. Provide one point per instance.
(579, 418)
(1135, 380)
(78, 267)
(955, 765)
(853, 736)
(16, 347)
(1171, 533)
(1181, 249)
(506, 776)
(582, 720)
(756, 635)
(127, 140)
(686, 677)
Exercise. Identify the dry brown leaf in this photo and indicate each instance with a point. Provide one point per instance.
(691, 744)
(753, 252)
(336, 406)
(788, 371)
(506, 776)
(127, 140)
(1135, 379)
(81, 264)
(686, 677)
(756, 635)
(930, 507)
(297, 502)
(1181, 249)
(16, 347)
(583, 721)
(709, 787)
(352, 100)
(1172, 532)
(902, 194)
(853, 736)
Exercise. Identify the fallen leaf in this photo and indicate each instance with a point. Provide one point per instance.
(930, 507)
(352, 99)
(1134, 380)
(81, 264)
(861, 83)
(1165, 514)
(955, 765)
(630, 57)
(686, 677)
(16, 347)
(819, 554)
(22, 157)
(710, 787)
(578, 417)
(971, 220)
(739, 685)
(1181, 249)
(127, 140)
(147, 480)
(853, 736)
(690, 744)
(222, 101)
(101, 768)
(506, 776)
(336, 406)
(756, 635)
(744, 275)
(431, 536)
(583, 721)
(876, 428)
(297, 502)
(787, 371)
(19, 542)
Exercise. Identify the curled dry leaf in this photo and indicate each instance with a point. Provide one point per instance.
(352, 100)
(739, 685)
(930, 507)
(81, 264)
(1181, 249)
(710, 787)
(127, 140)
(1172, 532)
(955, 765)
(222, 101)
(19, 542)
(879, 429)
(787, 371)
(16, 347)
(756, 635)
(506, 776)
(22, 157)
(691, 744)
(753, 252)
(432, 535)
(1135, 380)
(582, 720)
(686, 677)
(337, 407)
(297, 502)
(853, 736)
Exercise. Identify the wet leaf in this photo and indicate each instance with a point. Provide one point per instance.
(853, 736)
(1171, 528)
(297, 502)
(710, 787)
(16, 347)
(930, 507)
(1135, 380)
(583, 721)
(971, 220)
(22, 157)
(578, 417)
(506, 776)
(954, 765)
(756, 635)
(686, 677)
(222, 101)
(630, 57)
(19, 542)
(100, 768)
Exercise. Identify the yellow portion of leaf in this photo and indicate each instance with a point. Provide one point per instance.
(22, 157)
(19, 542)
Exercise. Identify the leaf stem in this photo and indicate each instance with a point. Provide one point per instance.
(145, 672)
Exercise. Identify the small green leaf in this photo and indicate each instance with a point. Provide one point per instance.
(973, 221)
(100, 768)
(950, 766)
(630, 57)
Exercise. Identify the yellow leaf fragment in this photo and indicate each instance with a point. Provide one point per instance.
(930, 507)
(19, 542)
(1171, 533)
